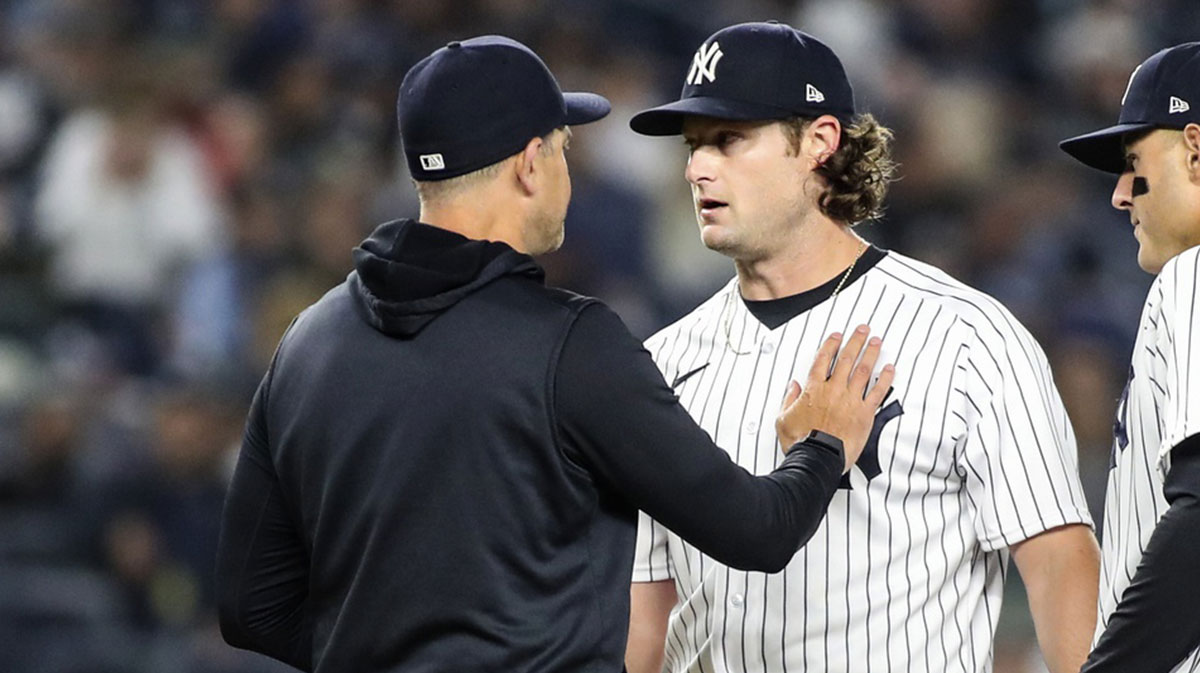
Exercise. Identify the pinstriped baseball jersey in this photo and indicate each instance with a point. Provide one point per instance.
(1159, 408)
(971, 453)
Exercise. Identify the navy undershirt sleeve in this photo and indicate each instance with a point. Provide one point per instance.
(620, 420)
(1154, 627)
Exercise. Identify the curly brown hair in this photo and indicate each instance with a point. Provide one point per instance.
(858, 174)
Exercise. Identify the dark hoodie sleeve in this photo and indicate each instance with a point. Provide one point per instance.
(262, 563)
(620, 419)
(1154, 626)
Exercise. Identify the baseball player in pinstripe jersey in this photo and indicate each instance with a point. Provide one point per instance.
(1149, 586)
(971, 459)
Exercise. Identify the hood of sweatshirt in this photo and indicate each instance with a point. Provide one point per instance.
(408, 273)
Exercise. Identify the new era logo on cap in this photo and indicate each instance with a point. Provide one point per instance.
(1178, 105)
(813, 95)
(704, 64)
(432, 162)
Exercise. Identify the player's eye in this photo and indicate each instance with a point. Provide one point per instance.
(1130, 162)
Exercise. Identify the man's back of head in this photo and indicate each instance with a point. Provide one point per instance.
(483, 127)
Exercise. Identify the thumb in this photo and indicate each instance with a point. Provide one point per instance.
(793, 394)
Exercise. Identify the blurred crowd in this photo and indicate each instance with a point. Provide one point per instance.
(178, 179)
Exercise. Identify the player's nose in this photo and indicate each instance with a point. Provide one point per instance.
(700, 166)
(1122, 196)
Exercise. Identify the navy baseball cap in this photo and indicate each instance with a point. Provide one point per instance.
(1163, 93)
(755, 71)
(475, 102)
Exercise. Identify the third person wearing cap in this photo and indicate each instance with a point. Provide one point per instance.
(971, 458)
(1149, 584)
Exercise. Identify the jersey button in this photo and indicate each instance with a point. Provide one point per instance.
(737, 600)
(751, 427)
(768, 348)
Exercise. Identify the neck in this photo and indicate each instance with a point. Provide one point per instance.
(817, 253)
(478, 216)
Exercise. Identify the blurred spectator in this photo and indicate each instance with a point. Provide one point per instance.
(160, 534)
(125, 202)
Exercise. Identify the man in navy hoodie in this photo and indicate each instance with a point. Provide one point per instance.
(442, 467)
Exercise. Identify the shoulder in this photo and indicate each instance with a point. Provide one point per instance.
(1180, 274)
(973, 307)
(708, 310)
(1170, 303)
(1185, 261)
(569, 301)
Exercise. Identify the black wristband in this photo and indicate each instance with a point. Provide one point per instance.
(826, 439)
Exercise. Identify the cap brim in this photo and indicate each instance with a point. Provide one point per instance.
(583, 108)
(667, 120)
(1104, 149)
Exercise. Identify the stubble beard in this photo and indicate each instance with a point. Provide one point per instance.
(548, 231)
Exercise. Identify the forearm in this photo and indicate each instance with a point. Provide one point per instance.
(262, 571)
(1061, 571)
(1154, 627)
(646, 447)
(649, 610)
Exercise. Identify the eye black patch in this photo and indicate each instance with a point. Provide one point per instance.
(1140, 187)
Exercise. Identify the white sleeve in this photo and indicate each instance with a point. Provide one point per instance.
(1019, 454)
(650, 560)
(1177, 335)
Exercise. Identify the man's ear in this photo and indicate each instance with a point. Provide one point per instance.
(528, 174)
(1191, 145)
(823, 137)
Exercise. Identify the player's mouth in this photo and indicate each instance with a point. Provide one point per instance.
(709, 207)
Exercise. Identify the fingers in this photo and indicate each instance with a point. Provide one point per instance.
(849, 354)
(877, 393)
(866, 366)
(824, 361)
(793, 394)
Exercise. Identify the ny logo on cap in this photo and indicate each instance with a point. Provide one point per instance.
(704, 64)
(1129, 85)
(812, 94)
(433, 162)
(1178, 105)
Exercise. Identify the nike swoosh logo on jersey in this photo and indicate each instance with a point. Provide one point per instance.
(683, 377)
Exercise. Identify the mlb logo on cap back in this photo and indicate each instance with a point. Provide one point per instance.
(756, 71)
(1156, 97)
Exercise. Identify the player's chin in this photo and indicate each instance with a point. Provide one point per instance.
(1149, 260)
(715, 237)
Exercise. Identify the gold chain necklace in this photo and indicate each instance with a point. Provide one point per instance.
(728, 308)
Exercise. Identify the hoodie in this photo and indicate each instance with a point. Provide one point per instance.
(443, 466)
(407, 273)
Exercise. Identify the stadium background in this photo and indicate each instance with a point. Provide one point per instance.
(179, 178)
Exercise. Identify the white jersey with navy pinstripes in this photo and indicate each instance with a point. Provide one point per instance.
(973, 452)
(1159, 408)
